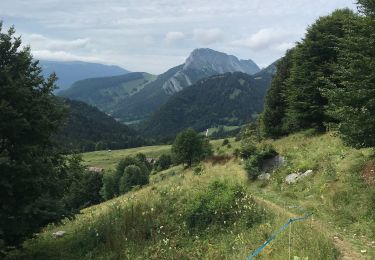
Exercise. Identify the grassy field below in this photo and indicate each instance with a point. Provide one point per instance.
(182, 214)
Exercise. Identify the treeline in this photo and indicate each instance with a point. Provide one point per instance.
(327, 81)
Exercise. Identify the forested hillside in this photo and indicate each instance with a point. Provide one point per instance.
(89, 129)
(227, 99)
(108, 93)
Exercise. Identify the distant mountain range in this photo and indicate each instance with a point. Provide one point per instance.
(70, 71)
(108, 93)
(89, 129)
(226, 99)
(148, 97)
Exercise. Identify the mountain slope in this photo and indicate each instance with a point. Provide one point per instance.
(88, 129)
(200, 64)
(108, 93)
(71, 71)
(227, 99)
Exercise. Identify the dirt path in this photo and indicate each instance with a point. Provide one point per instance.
(346, 249)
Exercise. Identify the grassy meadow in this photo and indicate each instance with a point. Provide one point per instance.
(212, 211)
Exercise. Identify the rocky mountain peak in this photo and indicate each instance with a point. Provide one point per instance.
(206, 62)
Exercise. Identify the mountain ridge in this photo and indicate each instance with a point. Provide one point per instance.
(70, 71)
(233, 98)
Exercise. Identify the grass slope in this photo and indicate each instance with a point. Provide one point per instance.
(151, 222)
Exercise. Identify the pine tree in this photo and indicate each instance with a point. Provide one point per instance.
(313, 60)
(352, 87)
(30, 181)
(275, 103)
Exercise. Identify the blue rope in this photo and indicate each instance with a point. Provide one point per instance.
(290, 221)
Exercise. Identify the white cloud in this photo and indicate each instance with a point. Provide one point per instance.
(173, 37)
(133, 33)
(267, 38)
(208, 36)
(56, 49)
(39, 41)
(62, 56)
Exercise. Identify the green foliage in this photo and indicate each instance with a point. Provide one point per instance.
(221, 205)
(352, 86)
(83, 187)
(132, 177)
(253, 164)
(189, 147)
(367, 7)
(89, 129)
(273, 116)
(122, 180)
(163, 163)
(314, 59)
(30, 179)
(110, 186)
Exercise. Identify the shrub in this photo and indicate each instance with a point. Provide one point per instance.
(109, 188)
(225, 142)
(84, 190)
(132, 176)
(222, 204)
(164, 162)
(254, 163)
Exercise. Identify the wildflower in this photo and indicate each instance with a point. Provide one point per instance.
(152, 209)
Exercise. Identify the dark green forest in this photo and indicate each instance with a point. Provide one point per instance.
(327, 82)
(227, 99)
(89, 129)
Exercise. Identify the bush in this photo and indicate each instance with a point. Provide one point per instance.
(222, 204)
(84, 190)
(163, 163)
(111, 181)
(253, 164)
(225, 142)
(132, 176)
(109, 188)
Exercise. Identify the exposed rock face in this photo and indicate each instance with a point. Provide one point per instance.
(204, 63)
(207, 59)
(294, 177)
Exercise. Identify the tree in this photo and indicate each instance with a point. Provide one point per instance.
(313, 60)
(367, 7)
(352, 87)
(273, 116)
(82, 186)
(132, 176)
(189, 147)
(163, 163)
(111, 182)
(30, 179)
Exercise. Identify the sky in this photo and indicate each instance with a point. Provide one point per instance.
(153, 36)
